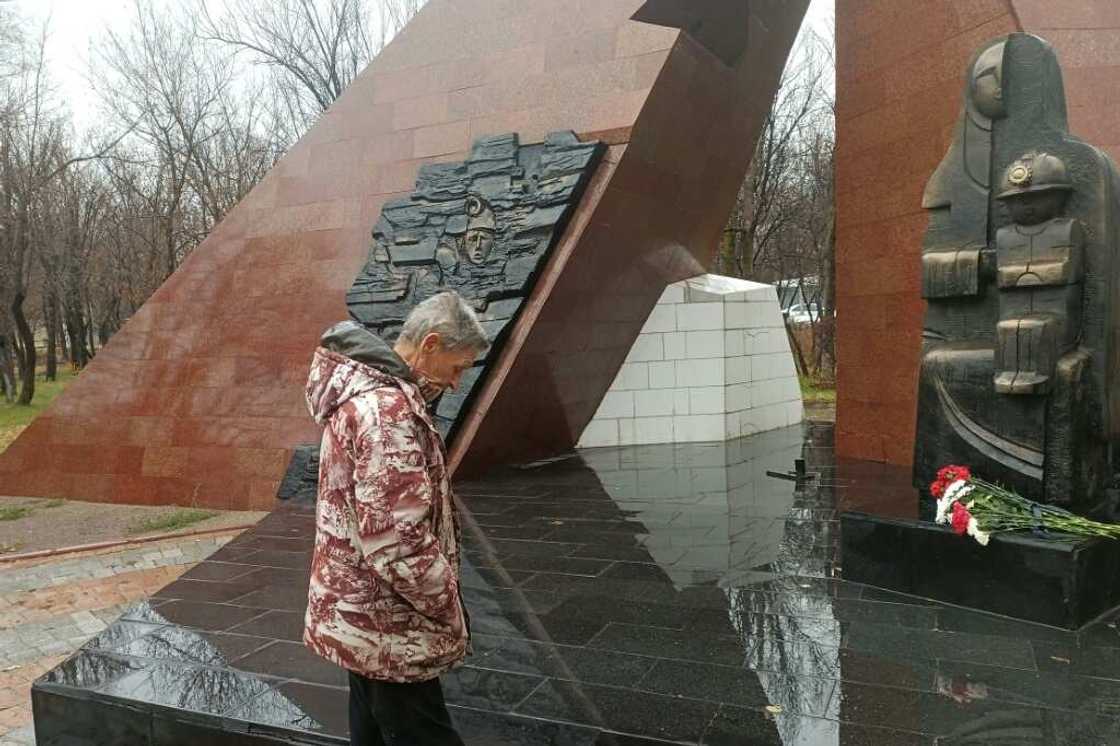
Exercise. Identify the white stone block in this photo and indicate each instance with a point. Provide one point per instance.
(779, 342)
(632, 376)
(700, 294)
(758, 341)
(732, 343)
(691, 373)
(738, 397)
(647, 347)
(737, 315)
(772, 316)
(653, 403)
(653, 430)
(663, 375)
(769, 393)
(616, 404)
(738, 369)
(763, 294)
(707, 400)
(695, 428)
(674, 345)
(748, 423)
(662, 319)
(774, 416)
(704, 344)
(672, 294)
(681, 401)
(699, 316)
(713, 362)
(750, 340)
(732, 425)
(760, 368)
(599, 433)
(781, 365)
(765, 341)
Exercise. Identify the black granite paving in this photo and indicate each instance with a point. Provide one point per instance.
(628, 596)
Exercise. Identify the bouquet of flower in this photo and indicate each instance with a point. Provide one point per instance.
(978, 508)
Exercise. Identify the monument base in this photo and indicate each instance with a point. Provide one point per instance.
(1060, 582)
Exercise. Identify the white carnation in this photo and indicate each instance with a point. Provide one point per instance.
(943, 506)
(957, 490)
(975, 532)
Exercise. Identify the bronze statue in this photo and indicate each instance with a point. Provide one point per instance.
(1018, 359)
(1040, 269)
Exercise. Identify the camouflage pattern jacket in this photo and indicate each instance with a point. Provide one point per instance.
(384, 597)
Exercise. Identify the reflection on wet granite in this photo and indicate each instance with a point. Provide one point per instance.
(627, 596)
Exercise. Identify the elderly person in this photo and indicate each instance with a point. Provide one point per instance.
(384, 600)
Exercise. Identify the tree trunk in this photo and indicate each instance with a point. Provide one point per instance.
(27, 357)
(798, 353)
(825, 349)
(110, 322)
(88, 322)
(50, 312)
(76, 330)
(7, 373)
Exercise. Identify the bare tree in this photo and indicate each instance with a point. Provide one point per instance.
(231, 159)
(157, 77)
(88, 233)
(32, 154)
(312, 49)
(781, 228)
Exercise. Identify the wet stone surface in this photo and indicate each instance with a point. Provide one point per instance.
(642, 595)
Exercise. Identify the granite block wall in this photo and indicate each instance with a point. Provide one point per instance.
(713, 362)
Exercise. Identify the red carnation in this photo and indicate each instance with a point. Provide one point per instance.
(953, 472)
(946, 475)
(961, 517)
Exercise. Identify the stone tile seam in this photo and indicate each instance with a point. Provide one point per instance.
(109, 560)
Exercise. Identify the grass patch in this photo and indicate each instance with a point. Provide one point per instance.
(817, 392)
(13, 513)
(14, 418)
(173, 521)
(57, 502)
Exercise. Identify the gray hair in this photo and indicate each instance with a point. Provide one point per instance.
(450, 316)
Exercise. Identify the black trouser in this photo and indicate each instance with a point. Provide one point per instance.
(386, 714)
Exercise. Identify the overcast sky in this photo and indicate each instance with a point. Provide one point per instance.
(74, 24)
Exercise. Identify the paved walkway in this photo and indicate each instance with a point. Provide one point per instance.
(49, 607)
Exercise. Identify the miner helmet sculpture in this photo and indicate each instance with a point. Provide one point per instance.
(1035, 172)
(1035, 188)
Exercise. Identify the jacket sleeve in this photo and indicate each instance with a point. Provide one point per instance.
(393, 502)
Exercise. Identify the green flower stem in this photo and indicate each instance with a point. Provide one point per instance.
(997, 509)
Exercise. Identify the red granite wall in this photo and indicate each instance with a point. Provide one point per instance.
(900, 68)
(1086, 35)
(198, 400)
(657, 220)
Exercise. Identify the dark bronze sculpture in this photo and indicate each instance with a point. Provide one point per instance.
(1021, 277)
(482, 227)
(1040, 271)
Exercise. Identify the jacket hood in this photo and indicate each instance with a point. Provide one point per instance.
(350, 361)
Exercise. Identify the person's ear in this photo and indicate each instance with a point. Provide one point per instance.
(430, 343)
